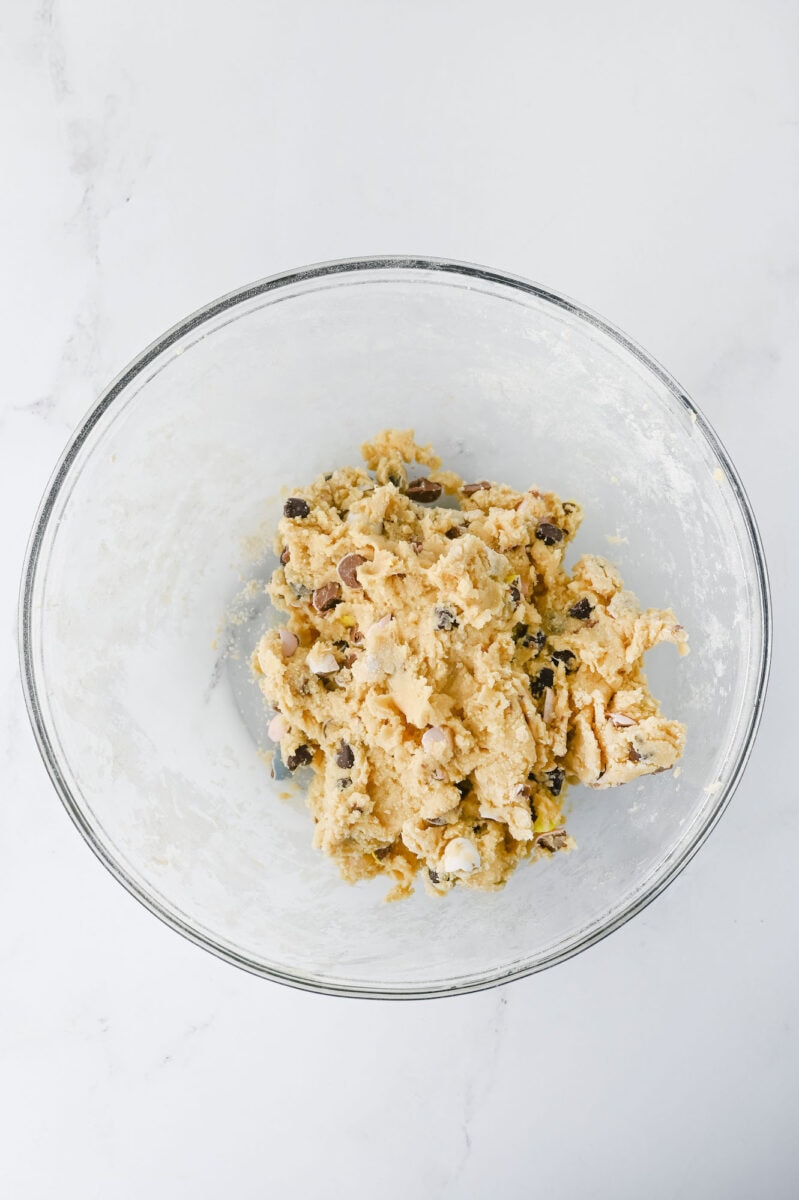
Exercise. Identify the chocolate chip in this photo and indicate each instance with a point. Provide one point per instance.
(300, 758)
(634, 756)
(445, 619)
(582, 610)
(549, 534)
(343, 783)
(469, 489)
(348, 567)
(515, 595)
(553, 841)
(522, 635)
(455, 531)
(464, 787)
(568, 658)
(554, 780)
(434, 875)
(341, 645)
(426, 491)
(544, 679)
(284, 555)
(382, 852)
(296, 507)
(344, 756)
(327, 596)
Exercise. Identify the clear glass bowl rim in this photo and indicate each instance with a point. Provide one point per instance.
(34, 562)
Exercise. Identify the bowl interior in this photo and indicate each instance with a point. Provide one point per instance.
(141, 607)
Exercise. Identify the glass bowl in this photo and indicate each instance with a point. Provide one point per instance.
(138, 612)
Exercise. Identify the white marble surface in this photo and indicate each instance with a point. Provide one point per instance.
(642, 158)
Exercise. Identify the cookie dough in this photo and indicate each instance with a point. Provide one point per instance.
(442, 675)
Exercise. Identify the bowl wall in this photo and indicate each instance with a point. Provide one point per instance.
(138, 621)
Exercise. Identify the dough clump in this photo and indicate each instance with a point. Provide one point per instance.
(443, 677)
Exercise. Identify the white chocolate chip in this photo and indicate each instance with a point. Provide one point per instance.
(321, 662)
(435, 736)
(461, 857)
(277, 728)
(288, 642)
(620, 720)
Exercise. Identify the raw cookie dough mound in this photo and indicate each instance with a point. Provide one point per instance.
(444, 677)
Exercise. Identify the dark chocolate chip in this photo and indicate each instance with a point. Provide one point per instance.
(300, 758)
(434, 875)
(445, 619)
(568, 658)
(327, 596)
(341, 645)
(634, 756)
(582, 610)
(382, 852)
(549, 534)
(515, 595)
(343, 783)
(522, 635)
(284, 555)
(554, 780)
(296, 507)
(553, 841)
(455, 531)
(544, 679)
(426, 491)
(469, 489)
(344, 756)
